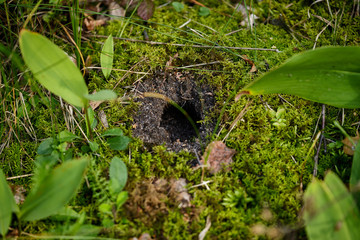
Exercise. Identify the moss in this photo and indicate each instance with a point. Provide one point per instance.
(269, 162)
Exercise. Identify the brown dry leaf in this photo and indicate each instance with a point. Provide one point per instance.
(91, 23)
(218, 157)
(253, 67)
(116, 11)
(146, 9)
(19, 193)
(103, 119)
(169, 64)
(349, 148)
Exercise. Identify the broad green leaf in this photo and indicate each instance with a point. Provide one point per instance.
(204, 11)
(102, 95)
(118, 175)
(53, 68)
(7, 205)
(54, 191)
(46, 146)
(107, 56)
(329, 75)
(66, 136)
(330, 210)
(118, 143)
(113, 132)
(93, 146)
(178, 6)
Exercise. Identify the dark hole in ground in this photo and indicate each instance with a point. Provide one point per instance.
(158, 122)
(177, 124)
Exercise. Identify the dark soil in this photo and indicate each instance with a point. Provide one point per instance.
(159, 122)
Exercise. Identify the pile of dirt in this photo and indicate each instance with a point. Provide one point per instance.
(158, 121)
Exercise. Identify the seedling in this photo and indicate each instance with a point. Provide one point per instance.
(277, 117)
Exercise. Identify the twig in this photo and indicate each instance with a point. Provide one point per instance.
(241, 114)
(200, 64)
(21, 176)
(317, 36)
(316, 157)
(185, 45)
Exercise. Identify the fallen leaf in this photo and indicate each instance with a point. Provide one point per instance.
(349, 148)
(103, 119)
(91, 23)
(116, 11)
(218, 157)
(146, 9)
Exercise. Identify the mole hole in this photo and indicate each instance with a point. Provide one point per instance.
(176, 123)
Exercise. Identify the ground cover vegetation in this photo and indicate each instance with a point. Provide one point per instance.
(229, 166)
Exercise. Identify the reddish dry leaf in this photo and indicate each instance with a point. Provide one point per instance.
(349, 148)
(218, 157)
(146, 9)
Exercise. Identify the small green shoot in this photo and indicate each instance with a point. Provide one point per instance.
(277, 117)
(237, 199)
(107, 56)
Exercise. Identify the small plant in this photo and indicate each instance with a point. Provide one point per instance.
(51, 191)
(118, 178)
(237, 199)
(277, 117)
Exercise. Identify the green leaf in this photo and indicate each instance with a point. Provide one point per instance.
(204, 11)
(119, 143)
(105, 208)
(93, 146)
(121, 199)
(118, 175)
(46, 147)
(107, 56)
(53, 68)
(113, 132)
(54, 191)
(330, 210)
(93, 121)
(178, 6)
(66, 136)
(102, 95)
(329, 75)
(7, 205)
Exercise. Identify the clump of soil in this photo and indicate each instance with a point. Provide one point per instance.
(158, 122)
